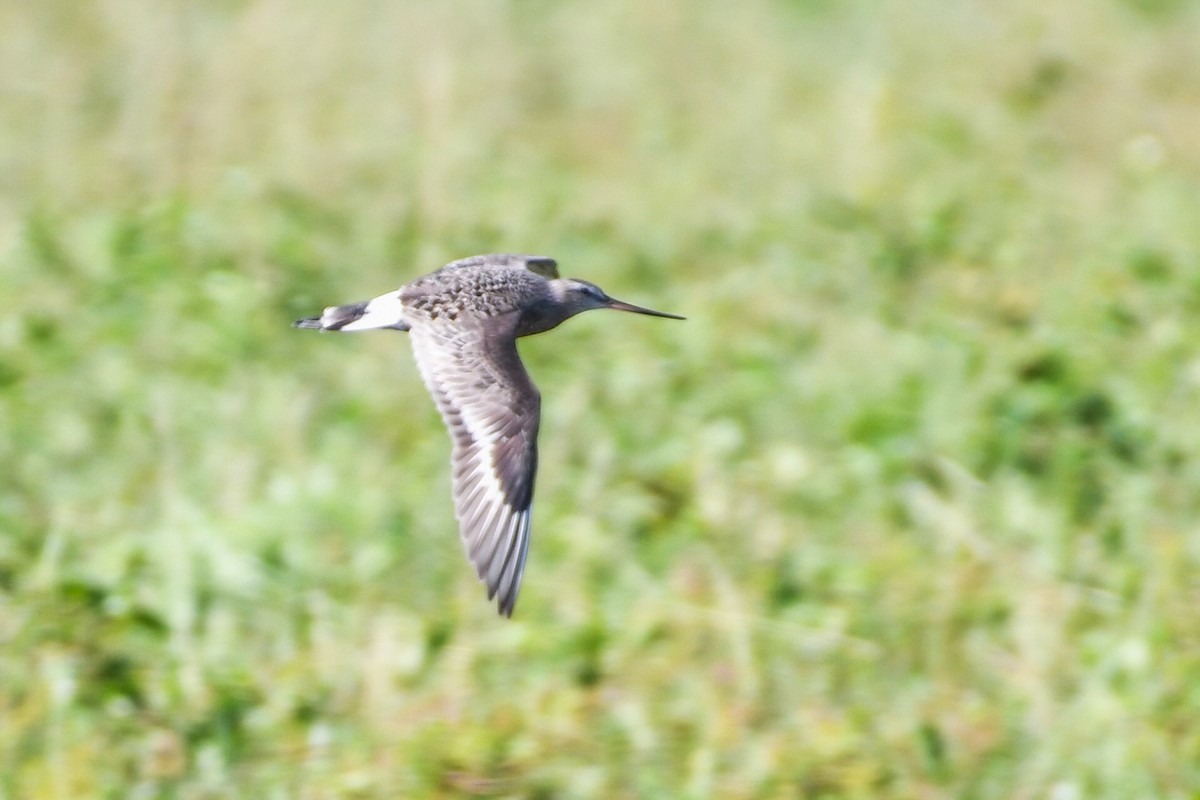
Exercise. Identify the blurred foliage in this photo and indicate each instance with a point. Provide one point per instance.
(908, 507)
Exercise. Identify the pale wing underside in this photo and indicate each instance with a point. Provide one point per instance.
(492, 410)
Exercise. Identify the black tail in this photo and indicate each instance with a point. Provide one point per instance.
(335, 317)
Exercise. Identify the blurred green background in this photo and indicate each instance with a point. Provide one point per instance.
(909, 508)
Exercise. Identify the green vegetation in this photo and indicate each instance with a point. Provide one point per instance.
(909, 508)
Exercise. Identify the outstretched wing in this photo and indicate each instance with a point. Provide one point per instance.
(492, 410)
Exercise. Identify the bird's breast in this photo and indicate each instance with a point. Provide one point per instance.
(538, 318)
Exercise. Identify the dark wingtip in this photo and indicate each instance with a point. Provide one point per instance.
(308, 322)
(504, 602)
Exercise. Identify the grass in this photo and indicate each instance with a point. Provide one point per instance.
(906, 509)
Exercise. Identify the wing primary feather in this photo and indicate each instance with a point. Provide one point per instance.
(513, 584)
(482, 532)
(506, 539)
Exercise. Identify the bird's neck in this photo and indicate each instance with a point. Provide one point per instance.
(540, 317)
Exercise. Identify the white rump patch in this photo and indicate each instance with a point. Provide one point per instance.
(385, 311)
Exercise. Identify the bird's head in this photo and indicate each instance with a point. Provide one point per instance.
(577, 296)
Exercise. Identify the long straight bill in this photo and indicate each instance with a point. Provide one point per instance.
(650, 312)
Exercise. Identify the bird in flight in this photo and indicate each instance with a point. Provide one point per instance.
(465, 319)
